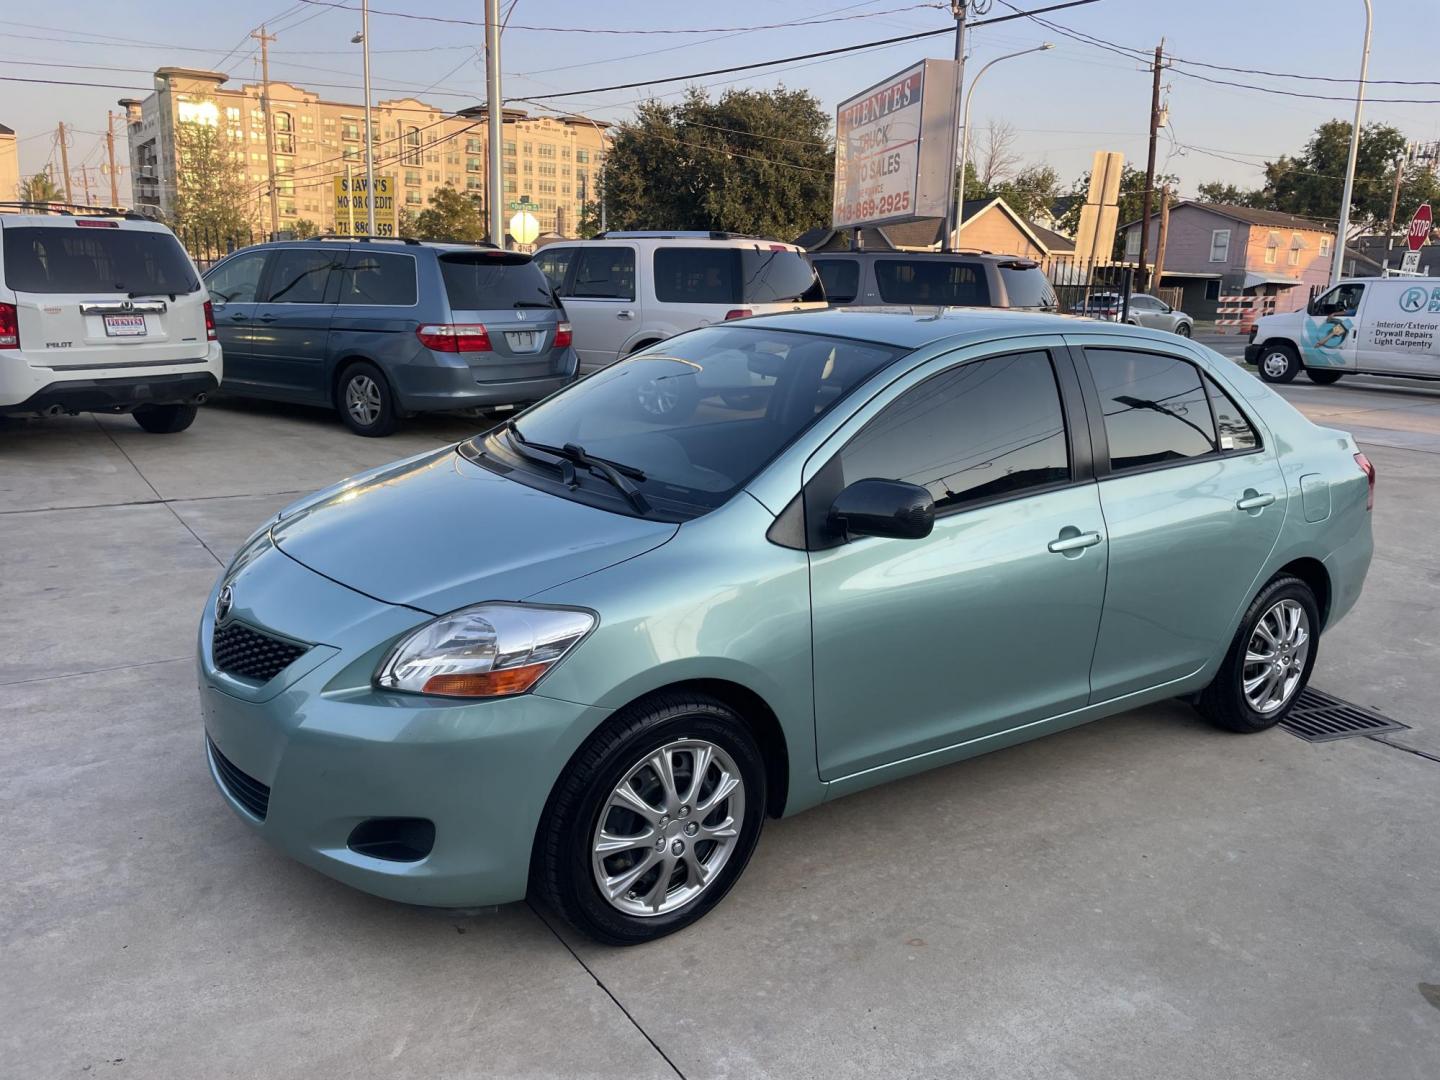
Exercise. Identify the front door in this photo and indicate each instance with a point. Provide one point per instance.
(233, 286)
(291, 328)
(987, 624)
(1330, 336)
(602, 303)
(1193, 502)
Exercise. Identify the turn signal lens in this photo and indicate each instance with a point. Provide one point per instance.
(738, 313)
(490, 650)
(563, 336)
(1369, 471)
(454, 337)
(209, 321)
(9, 327)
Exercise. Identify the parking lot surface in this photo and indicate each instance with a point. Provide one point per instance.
(1141, 897)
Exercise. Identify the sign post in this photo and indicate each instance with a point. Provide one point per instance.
(351, 203)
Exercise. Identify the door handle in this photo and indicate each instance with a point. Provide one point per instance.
(268, 318)
(627, 314)
(1072, 539)
(238, 316)
(1254, 500)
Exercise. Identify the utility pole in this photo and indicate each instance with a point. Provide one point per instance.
(955, 209)
(1344, 227)
(85, 182)
(1164, 232)
(369, 135)
(110, 150)
(265, 39)
(65, 162)
(1400, 163)
(1140, 278)
(496, 109)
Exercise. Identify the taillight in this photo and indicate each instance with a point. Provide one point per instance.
(563, 336)
(9, 327)
(738, 313)
(1369, 471)
(209, 320)
(454, 337)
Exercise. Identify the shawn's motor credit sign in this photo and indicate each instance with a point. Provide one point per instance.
(895, 147)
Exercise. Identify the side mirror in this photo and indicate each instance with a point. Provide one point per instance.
(889, 508)
(1167, 308)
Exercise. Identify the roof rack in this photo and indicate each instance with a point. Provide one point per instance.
(358, 236)
(64, 209)
(672, 234)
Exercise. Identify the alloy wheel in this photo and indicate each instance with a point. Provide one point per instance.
(362, 400)
(668, 828)
(1275, 656)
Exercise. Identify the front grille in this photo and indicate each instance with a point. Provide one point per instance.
(251, 654)
(241, 786)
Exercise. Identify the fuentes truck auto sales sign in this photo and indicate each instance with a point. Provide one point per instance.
(895, 148)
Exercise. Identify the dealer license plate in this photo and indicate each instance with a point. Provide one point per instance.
(124, 325)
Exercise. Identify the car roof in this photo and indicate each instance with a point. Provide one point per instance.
(990, 256)
(119, 221)
(914, 327)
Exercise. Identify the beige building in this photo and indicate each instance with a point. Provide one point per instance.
(554, 161)
(9, 166)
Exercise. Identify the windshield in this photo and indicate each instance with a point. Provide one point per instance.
(697, 416)
(493, 280)
(1027, 288)
(76, 259)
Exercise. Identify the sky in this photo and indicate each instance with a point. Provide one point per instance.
(1064, 104)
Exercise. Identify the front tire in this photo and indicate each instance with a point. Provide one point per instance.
(1269, 661)
(365, 401)
(165, 419)
(1279, 363)
(653, 820)
(1184, 329)
(1322, 377)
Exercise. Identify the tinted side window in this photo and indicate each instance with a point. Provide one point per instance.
(299, 276)
(1155, 408)
(841, 278)
(1236, 432)
(236, 280)
(1028, 288)
(378, 278)
(982, 429)
(697, 275)
(1140, 302)
(553, 262)
(932, 281)
(605, 273)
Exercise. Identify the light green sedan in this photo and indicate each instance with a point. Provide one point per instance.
(584, 656)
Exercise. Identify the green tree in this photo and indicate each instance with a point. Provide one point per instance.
(750, 161)
(405, 224)
(1030, 190)
(304, 229)
(1131, 200)
(39, 188)
(213, 199)
(451, 216)
(589, 223)
(1231, 195)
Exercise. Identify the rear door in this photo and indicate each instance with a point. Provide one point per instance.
(96, 293)
(602, 303)
(233, 286)
(291, 330)
(508, 294)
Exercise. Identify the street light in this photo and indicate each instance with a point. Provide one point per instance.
(1337, 263)
(363, 38)
(965, 135)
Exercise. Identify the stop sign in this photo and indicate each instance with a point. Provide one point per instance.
(1420, 226)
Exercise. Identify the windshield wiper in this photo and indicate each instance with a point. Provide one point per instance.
(572, 454)
(532, 303)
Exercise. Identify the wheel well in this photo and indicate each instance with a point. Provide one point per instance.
(345, 364)
(1314, 574)
(643, 345)
(1276, 341)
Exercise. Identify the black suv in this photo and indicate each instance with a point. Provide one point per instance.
(933, 278)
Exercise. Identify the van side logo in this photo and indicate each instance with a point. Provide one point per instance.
(1412, 299)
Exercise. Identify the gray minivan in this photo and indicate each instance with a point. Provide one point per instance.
(381, 329)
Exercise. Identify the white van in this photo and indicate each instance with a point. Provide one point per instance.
(1371, 326)
(624, 291)
(103, 313)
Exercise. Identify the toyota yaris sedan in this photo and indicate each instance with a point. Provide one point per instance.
(584, 656)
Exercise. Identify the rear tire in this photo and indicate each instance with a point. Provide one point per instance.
(1321, 377)
(677, 728)
(1278, 363)
(165, 419)
(365, 401)
(1260, 650)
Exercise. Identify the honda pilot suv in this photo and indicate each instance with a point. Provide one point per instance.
(102, 312)
(383, 329)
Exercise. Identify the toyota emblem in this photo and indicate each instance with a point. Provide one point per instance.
(223, 602)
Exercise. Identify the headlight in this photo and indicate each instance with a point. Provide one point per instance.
(490, 650)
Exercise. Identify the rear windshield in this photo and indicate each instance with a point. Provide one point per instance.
(494, 280)
(714, 275)
(1027, 288)
(75, 259)
(932, 281)
(841, 278)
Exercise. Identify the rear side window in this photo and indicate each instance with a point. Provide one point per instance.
(1028, 288)
(300, 275)
(604, 273)
(50, 259)
(841, 278)
(373, 277)
(778, 276)
(977, 431)
(697, 275)
(932, 281)
(1155, 408)
(1235, 432)
(492, 281)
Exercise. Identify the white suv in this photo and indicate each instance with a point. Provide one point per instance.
(624, 291)
(102, 313)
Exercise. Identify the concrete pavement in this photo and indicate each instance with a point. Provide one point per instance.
(1141, 897)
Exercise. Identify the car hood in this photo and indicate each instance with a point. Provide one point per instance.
(438, 532)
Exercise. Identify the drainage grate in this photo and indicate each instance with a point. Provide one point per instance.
(1318, 717)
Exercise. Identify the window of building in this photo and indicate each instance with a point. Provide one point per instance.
(284, 144)
(474, 183)
(565, 153)
(1155, 408)
(1325, 244)
(474, 164)
(1132, 243)
(412, 179)
(510, 187)
(582, 155)
(987, 429)
(509, 148)
(547, 185)
(529, 148)
(413, 198)
(232, 114)
(509, 167)
(350, 131)
(283, 122)
(1272, 248)
(1297, 245)
(351, 153)
(472, 146)
(546, 150)
(547, 168)
(1220, 245)
(1212, 290)
(307, 123)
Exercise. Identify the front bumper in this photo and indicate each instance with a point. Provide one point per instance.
(335, 752)
(1252, 354)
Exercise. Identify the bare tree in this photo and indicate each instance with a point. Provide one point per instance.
(996, 154)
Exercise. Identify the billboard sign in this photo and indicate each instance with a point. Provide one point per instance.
(350, 206)
(895, 148)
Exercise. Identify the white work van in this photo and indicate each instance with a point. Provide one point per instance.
(1371, 326)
